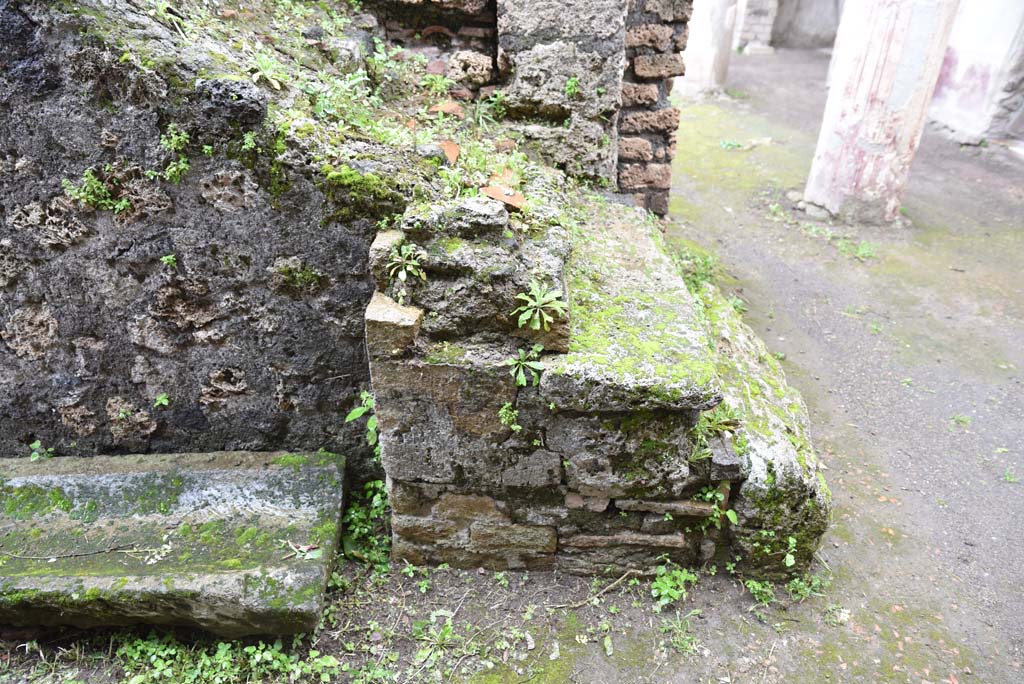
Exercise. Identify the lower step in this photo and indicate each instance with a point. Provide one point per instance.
(234, 543)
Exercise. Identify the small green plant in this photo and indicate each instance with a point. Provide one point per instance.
(367, 404)
(249, 141)
(161, 400)
(669, 584)
(738, 305)
(723, 419)
(526, 367)
(538, 306)
(39, 452)
(763, 592)
(572, 87)
(789, 560)
(265, 67)
(95, 193)
(176, 170)
(509, 417)
(959, 421)
(730, 145)
(680, 633)
(502, 579)
(174, 139)
(403, 265)
(1008, 476)
(437, 84)
(208, 150)
(365, 537)
(802, 588)
(169, 260)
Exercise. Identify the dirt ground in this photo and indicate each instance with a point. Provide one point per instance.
(907, 343)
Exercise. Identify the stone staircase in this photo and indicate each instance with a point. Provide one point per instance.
(235, 543)
(659, 428)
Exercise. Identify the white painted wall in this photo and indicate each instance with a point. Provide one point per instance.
(709, 45)
(980, 93)
(807, 23)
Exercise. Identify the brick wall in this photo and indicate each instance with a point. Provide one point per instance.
(656, 32)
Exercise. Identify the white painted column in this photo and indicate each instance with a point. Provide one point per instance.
(889, 53)
(709, 45)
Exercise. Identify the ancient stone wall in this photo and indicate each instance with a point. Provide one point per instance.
(589, 81)
(214, 307)
(611, 450)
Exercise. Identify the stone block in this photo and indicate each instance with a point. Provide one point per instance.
(635, 149)
(639, 94)
(470, 68)
(383, 244)
(659, 66)
(660, 121)
(684, 508)
(595, 504)
(424, 530)
(488, 536)
(538, 470)
(187, 540)
(657, 202)
(597, 21)
(540, 75)
(651, 541)
(725, 463)
(671, 10)
(645, 176)
(470, 508)
(390, 327)
(657, 36)
(408, 498)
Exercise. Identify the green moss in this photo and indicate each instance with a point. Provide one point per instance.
(156, 494)
(304, 278)
(246, 535)
(294, 461)
(445, 353)
(30, 501)
(360, 194)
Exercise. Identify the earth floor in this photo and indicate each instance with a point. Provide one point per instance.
(907, 343)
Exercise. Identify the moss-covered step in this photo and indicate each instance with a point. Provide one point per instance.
(636, 341)
(234, 543)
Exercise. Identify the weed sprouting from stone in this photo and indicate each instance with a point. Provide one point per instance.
(538, 306)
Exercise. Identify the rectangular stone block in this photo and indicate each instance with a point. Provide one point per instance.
(390, 327)
(469, 507)
(486, 536)
(657, 36)
(424, 530)
(660, 121)
(645, 176)
(192, 539)
(658, 66)
(687, 508)
(635, 149)
(639, 94)
(654, 541)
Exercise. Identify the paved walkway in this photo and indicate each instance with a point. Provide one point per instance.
(911, 359)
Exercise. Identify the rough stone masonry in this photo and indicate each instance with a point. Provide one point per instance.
(590, 79)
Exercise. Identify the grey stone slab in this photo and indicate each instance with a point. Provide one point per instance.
(200, 540)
